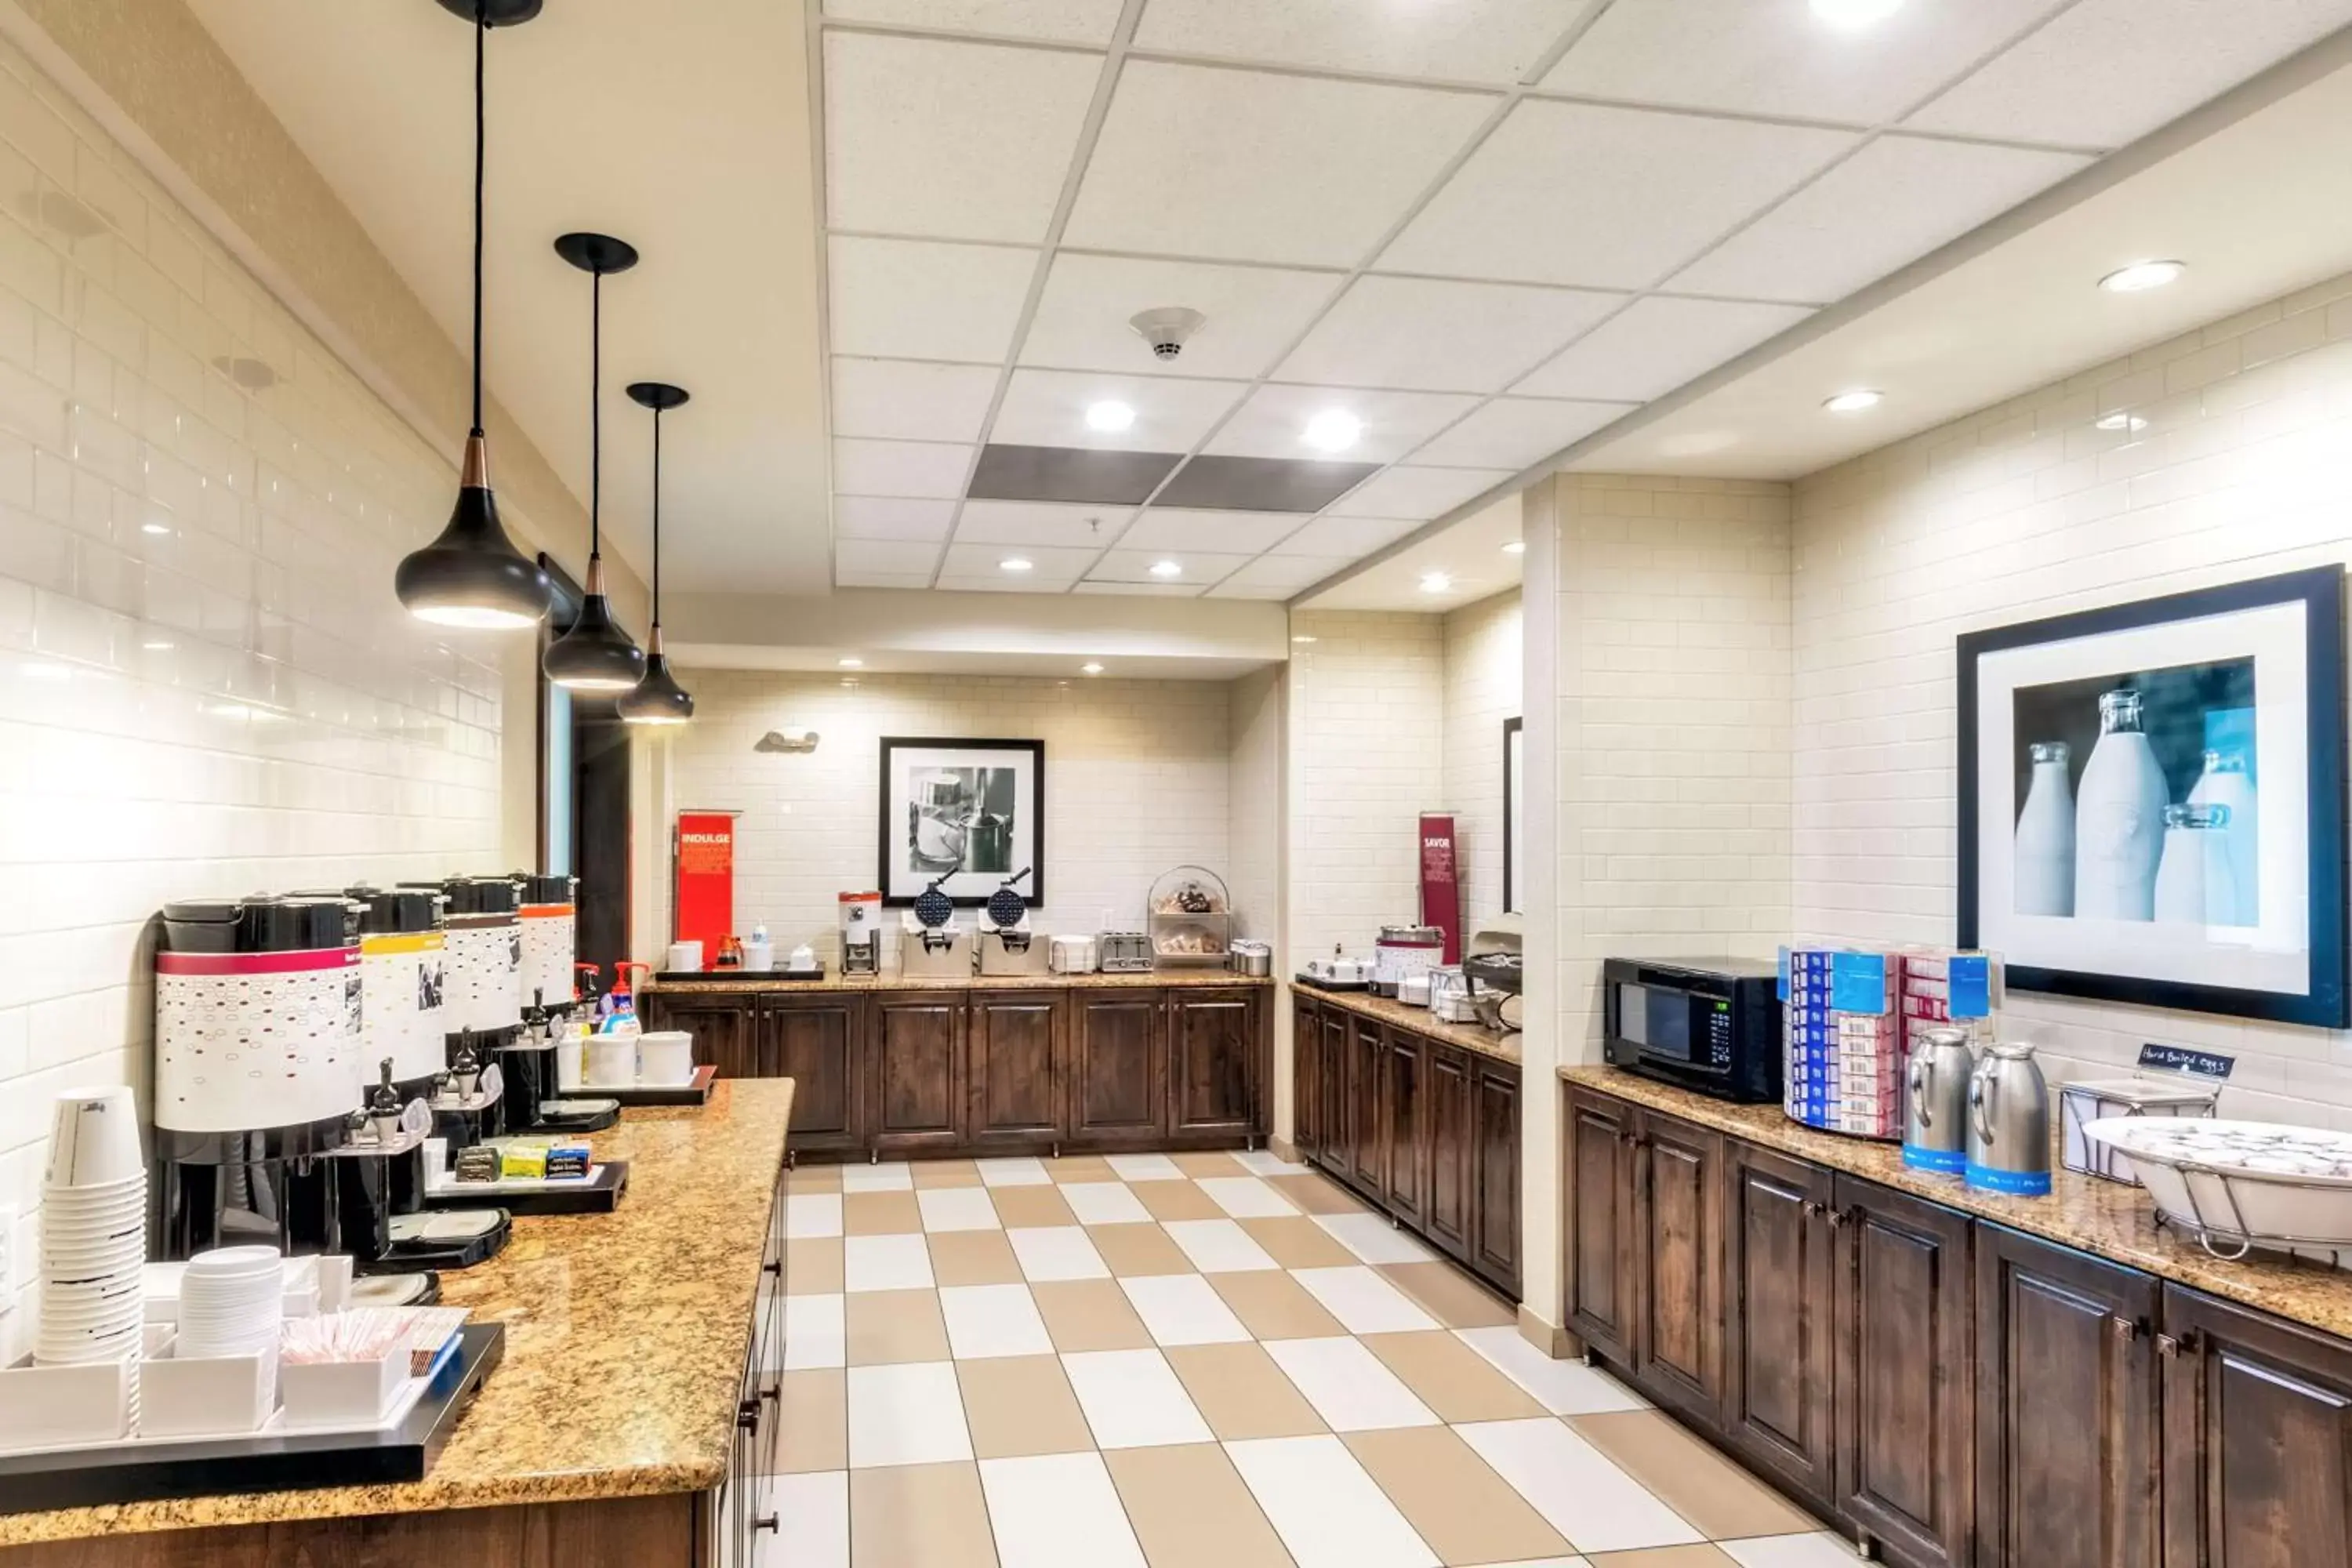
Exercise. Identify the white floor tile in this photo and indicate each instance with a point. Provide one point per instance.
(1104, 1203)
(1541, 1562)
(1132, 1399)
(893, 1176)
(1266, 1163)
(906, 1414)
(1056, 1252)
(813, 1333)
(957, 1208)
(1245, 1197)
(1563, 1387)
(885, 1263)
(1348, 1384)
(1819, 1549)
(1218, 1246)
(1328, 1512)
(1363, 1302)
(1022, 1171)
(811, 1213)
(1373, 1238)
(1057, 1511)
(1145, 1168)
(986, 1321)
(812, 1521)
(1183, 1309)
(1598, 1507)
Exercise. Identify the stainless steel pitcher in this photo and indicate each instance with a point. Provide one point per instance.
(1936, 1127)
(2009, 1124)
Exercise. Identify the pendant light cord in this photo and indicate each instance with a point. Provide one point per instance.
(481, 34)
(657, 414)
(596, 407)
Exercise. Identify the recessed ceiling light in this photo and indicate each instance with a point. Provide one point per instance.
(1515, 547)
(1855, 13)
(1333, 430)
(156, 644)
(1090, 667)
(1168, 569)
(1109, 417)
(155, 527)
(1854, 402)
(2142, 276)
(1436, 582)
(850, 663)
(1302, 638)
(1017, 564)
(2120, 422)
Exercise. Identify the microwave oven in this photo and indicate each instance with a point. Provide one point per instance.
(1709, 1025)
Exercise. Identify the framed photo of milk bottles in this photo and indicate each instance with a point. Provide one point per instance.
(2152, 800)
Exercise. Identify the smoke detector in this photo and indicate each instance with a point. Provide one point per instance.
(1166, 328)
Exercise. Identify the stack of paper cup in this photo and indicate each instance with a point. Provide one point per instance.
(233, 1302)
(93, 1237)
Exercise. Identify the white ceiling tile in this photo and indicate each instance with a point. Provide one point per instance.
(1201, 567)
(1048, 409)
(1426, 335)
(880, 580)
(950, 140)
(1776, 56)
(1515, 431)
(1610, 198)
(1656, 346)
(2110, 71)
(913, 298)
(1144, 590)
(898, 469)
(885, 556)
(1343, 539)
(1046, 565)
(1200, 161)
(1280, 576)
(1025, 523)
(1416, 494)
(1066, 21)
(1271, 423)
(902, 401)
(1463, 40)
(1892, 203)
(1167, 528)
(1252, 314)
(878, 517)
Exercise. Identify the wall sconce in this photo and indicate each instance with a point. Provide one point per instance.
(790, 742)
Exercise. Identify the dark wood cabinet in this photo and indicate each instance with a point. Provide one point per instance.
(1495, 1174)
(2067, 1408)
(1306, 1079)
(1780, 1338)
(816, 1041)
(1599, 1135)
(2257, 1439)
(1119, 1068)
(725, 1029)
(1013, 1068)
(918, 1088)
(1368, 1135)
(1211, 1062)
(1678, 1264)
(1337, 1108)
(1402, 1173)
(1449, 1121)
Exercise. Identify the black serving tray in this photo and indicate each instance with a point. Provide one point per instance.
(1334, 988)
(263, 1461)
(696, 1093)
(600, 1194)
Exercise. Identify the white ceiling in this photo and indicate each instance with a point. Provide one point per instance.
(1487, 228)
(1462, 563)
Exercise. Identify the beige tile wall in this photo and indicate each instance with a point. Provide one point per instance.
(1483, 679)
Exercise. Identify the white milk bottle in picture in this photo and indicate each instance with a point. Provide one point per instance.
(2119, 818)
(2193, 885)
(2046, 836)
(2225, 783)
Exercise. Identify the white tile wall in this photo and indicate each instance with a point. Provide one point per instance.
(1483, 678)
(206, 684)
(2242, 469)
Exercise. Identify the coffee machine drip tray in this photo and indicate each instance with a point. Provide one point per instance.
(437, 1239)
(579, 1114)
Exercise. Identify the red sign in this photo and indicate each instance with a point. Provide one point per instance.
(1440, 881)
(706, 879)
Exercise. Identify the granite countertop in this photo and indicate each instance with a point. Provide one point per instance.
(765, 982)
(2106, 1219)
(626, 1334)
(1486, 1042)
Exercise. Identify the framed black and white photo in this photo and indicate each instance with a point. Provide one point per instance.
(2152, 800)
(970, 812)
(1515, 838)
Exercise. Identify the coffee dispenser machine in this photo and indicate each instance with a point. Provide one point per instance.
(861, 933)
(533, 1095)
(483, 1001)
(404, 984)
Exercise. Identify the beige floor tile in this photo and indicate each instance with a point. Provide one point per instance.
(813, 1431)
(918, 1516)
(1723, 1501)
(1317, 1194)
(813, 1266)
(885, 1326)
(1081, 1168)
(972, 1258)
(1298, 1242)
(1020, 1405)
(1088, 1315)
(815, 1179)
(1452, 1296)
(1139, 1248)
(1176, 1200)
(1273, 1306)
(1021, 1208)
(1465, 1511)
(1190, 1509)
(880, 1214)
(1210, 1162)
(1241, 1393)
(1665, 1557)
(1452, 1379)
(946, 1174)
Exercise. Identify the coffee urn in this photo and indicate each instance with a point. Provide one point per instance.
(1936, 1129)
(2009, 1124)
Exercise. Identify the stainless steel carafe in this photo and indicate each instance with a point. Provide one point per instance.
(1936, 1129)
(2009, 1124)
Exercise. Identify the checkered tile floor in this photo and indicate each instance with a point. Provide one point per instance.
(1201, 1361)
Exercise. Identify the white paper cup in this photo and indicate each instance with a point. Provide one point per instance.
(685, 956)
(93, 1138)
(665, 1056)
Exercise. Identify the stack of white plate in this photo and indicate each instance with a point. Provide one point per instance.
(93, 1237)
(233, 1302)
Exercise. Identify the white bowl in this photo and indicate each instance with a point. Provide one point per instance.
(2257, 1178)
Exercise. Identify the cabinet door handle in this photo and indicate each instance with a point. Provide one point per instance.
(769, 1523)
(1841, 1219)
(1814, 1208)
(775, 1267)
(2128, 1329)
(2186, 1342)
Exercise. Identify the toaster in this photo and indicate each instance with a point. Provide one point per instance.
(1122, 951)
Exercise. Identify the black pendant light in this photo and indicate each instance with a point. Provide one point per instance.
(596, 655)
(658, 699)
(472, 575)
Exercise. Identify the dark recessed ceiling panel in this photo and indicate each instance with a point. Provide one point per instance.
(1076, 473)
(1263, 484)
